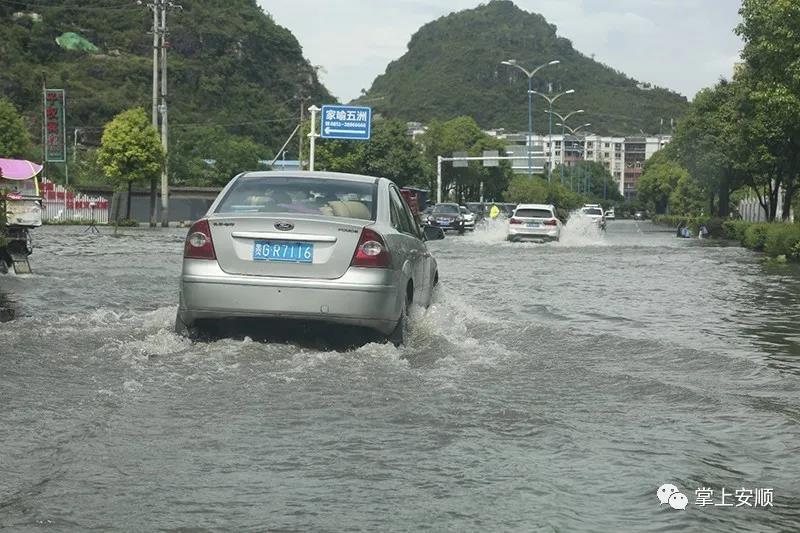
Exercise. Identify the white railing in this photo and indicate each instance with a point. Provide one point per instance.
(61, 205)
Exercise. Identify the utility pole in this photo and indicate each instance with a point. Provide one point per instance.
(156, 7)
(164, 5)
(164, 141)
(313, 135)
(300, 137)
(75, 147)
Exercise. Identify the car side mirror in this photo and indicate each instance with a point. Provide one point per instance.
(432, 233)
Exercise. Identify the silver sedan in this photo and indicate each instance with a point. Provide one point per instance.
(338, 248)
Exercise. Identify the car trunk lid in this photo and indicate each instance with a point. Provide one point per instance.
(332, 241)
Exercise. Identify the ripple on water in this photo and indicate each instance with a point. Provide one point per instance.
(548, 387)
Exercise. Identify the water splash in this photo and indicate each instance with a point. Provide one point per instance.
(581, 230)
(488, 231)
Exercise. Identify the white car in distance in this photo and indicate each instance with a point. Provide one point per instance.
(594, 212)
(534, 222)
(469, 218)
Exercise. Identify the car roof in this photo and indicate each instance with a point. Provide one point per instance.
(535, 206)
(448, 203)
(309, 174)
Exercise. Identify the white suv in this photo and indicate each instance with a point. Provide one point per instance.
(535, 222)
(594, 212)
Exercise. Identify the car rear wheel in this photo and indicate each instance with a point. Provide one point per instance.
(398, 335)
(190, 331)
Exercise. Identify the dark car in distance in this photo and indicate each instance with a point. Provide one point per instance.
(478, 209)
(448, 217)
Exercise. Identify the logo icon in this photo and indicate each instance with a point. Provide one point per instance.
(669, 494)
(284, 226)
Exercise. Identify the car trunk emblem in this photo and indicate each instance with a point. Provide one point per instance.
(284, 226)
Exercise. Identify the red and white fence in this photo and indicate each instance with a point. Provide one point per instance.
(61, 204)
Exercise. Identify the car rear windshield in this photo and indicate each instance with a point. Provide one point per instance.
(533, 213)
(592, 211)
(445, 210)
(311, 196)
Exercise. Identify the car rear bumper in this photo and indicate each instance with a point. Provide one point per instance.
(361, 297)
(546, 232)
(454, 226)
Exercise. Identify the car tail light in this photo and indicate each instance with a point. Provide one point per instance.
(198, 242)
(551, 222)
(371, 251)
(514, 221)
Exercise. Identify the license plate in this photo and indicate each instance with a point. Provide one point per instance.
(444, 222)
(533, 224)
(290, 252)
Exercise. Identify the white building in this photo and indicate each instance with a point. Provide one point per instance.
(623, 157)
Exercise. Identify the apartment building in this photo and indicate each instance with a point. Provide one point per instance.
(623, 157)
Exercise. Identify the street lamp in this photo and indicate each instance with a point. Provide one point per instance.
(573, 131)
(529, 74)
(565, 118)
(550, 100)
(563, 122)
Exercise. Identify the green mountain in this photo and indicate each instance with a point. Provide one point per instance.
(452, 67)
(230, 65)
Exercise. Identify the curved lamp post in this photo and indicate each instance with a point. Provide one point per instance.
(529, 74)
(563, 118)
(550, 100)
(573, 131)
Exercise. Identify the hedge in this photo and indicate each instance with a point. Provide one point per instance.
(713, 225)
(773, 238)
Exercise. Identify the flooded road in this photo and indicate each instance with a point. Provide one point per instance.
(549, 388)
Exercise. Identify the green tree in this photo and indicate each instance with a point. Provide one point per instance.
(704, 145)
(462, 134)
(15, 141)
(589, 177)
(536, 190)
(686, 197)
(658, 182)
(390, 153)
(130, 151)
(769, 29)
(211, 156)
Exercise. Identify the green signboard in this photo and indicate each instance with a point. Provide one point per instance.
(55, 135)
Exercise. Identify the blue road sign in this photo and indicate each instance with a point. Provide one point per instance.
(346, 122)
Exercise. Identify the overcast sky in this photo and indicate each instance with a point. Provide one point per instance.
(684, 45)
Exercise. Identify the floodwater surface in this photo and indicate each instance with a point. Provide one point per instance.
(549, 387)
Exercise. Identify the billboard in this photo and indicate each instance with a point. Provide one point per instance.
(55, 135)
